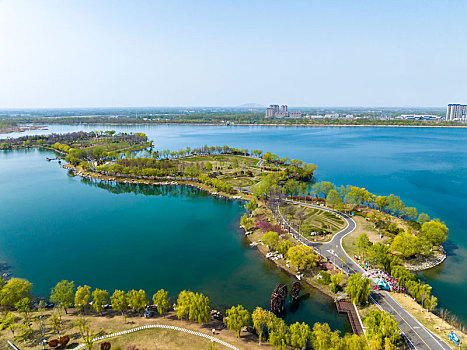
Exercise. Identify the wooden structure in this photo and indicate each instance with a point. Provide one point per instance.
(345, 306)
(278, 297)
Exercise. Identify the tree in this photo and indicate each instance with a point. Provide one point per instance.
(323, 187)
(63, 294)
(14, 290)
(382, 325)
(237, 317)
(271, 239)
(82, 295)
(382, 202)
(119, 301)
(161, 300)
(261, 318)
(363, 244)
(87, 334)
(322, 338)
(379, 254)
(422, 218)
(431, 303)
(100, 298)
(250, 206)
(358, 288)
(303, 257)
(137, 299)
(405, 243)
(278, 333)
(335, 281)
(8, 321)
(300, 334)
(284, 246)
(247, 222)
(333, 199)
(435, 231)
(410, 212)
(23, 306)
(193, 306)
(208, 166)
(56, 320)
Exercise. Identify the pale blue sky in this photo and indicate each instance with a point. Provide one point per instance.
(68, 53)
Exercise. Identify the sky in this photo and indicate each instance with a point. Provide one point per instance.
(80, 53)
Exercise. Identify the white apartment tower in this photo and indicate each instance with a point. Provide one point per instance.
(456, 111)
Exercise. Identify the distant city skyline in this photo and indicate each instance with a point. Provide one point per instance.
(75, 54)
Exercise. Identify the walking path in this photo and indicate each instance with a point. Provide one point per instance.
(189, 331)
(417, 336)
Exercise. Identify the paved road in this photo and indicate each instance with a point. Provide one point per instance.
(418, 336)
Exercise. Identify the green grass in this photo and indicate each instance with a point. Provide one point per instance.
(316, 220)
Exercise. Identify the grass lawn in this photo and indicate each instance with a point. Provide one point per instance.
(363, 225)
(315, 220)
(429, 320)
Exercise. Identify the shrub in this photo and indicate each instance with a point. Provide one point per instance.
(53, 343)
(105, 346)
(63, 341)
(325, 277)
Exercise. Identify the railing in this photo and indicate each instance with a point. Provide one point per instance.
(189, 331)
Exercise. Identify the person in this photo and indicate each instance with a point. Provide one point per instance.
(213, 331)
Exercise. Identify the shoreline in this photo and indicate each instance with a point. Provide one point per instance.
(264, 124)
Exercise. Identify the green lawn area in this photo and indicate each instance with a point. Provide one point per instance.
(312, 219)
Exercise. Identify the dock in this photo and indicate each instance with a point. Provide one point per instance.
(345, 306)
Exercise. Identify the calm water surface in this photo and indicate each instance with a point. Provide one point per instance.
(427, 167)
(54, 226)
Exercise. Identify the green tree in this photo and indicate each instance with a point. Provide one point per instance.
(250, 206)
(82, 295)
(410, 213)
(119, 301)
(261, 318)
(137, 299)
(335, 281)
(363, 244)
(382, 325)
(193, 306)
(271, 239)
(435, 231)
(23, 306)
(87, 334)
(284, 246)
(303, 257)
(333, 199)
(422, 218)
(278, 333)
(8, 321)
(161, 300)
(208, 167)
(382, 202)
(56, 321)
(237, 317)
(100, 298)
(247, 222)
(358, 288)
(300, 334)
(405, 243)
(63, 294)
(322, 338)
(14, 290)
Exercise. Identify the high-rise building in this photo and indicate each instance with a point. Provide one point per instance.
(284, 108)
(456, 111)
(270, 112)
(282, 112)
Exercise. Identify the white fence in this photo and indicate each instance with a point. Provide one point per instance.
(189, 331)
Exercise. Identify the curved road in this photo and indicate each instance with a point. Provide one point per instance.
(417, 335)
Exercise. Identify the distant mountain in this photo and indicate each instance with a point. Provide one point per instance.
(251, 105)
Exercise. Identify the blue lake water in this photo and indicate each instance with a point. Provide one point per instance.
(427, 167)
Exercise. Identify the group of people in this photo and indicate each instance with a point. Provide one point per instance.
(383, 280)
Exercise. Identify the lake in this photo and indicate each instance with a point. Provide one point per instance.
(55, 226)
(426, 167)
